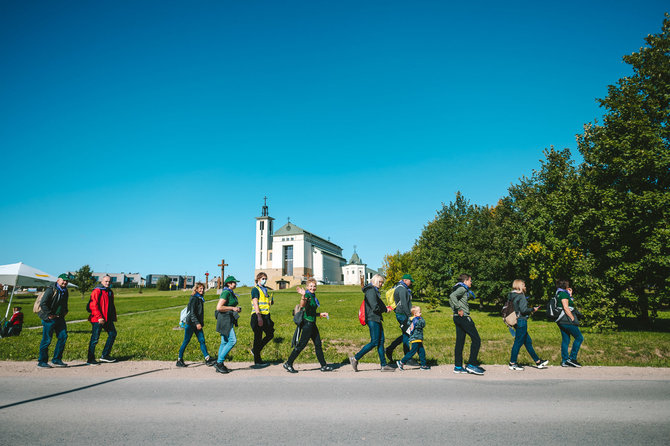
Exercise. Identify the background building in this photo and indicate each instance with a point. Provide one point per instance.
(175, 280)
(291, 255)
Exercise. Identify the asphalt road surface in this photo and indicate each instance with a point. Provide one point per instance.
(154, 403)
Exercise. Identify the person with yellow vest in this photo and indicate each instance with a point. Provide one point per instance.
(260, 317)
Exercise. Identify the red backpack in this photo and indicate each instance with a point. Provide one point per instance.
(361, 313)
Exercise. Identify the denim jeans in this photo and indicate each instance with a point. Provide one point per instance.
(227, 343)
(376, 340)
(416, 346)
(189, 331)
(50, 326)
(566, 332)
(309, 331)
(259, 341)
(521, 337)
(404, 337)
(96, 329)
(465, 325)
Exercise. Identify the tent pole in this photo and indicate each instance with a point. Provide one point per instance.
(10, 299)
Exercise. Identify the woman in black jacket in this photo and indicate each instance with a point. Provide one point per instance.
(194, 324)
(521, 336)
(374, 308)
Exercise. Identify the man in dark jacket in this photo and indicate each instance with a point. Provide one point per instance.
(403, 306)
(103, 316)
(53, 308)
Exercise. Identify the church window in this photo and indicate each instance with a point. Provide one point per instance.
(261, 243)
(262, 225)
(287, 269)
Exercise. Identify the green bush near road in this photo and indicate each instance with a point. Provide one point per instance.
(147, 322)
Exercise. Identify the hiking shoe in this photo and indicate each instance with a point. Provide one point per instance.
(44, 365)
(107, 359)
(459, 370)
(571, 362)
(326, 368)
(400, 365)
(387, 368)
(220, 368)
(541, 363)
(515, 366)
(354, 363)
(92, 361)
(58, 363)
(424, 367)
(210, 361)
(413, 363)
(566, 364)
(289, 368)
(180, 363)
(473, 369)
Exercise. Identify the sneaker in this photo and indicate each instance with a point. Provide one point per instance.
(571, 362)
(354, 363)
(412, 362)
(289, 368)
(326, 368)
(43, 365)
(459, 370)
(209, 361)
(92, 361)
(220, 368)
(541, 363)
(424, 367)
(515, 366)
(180, 363)
(400, 365)
(107, 359)
(58, 363)
(475, 370)
(387, 368)
(566, 364)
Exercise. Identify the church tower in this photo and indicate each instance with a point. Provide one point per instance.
(263, 261)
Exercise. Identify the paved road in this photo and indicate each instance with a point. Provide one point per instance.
(160, 404)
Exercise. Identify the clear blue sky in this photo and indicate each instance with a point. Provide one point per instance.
(142, 136)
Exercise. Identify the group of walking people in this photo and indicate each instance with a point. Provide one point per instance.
(53, 306)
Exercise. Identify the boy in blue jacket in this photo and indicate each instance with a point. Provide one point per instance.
(415, 340)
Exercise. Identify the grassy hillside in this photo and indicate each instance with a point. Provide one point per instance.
(147, 323)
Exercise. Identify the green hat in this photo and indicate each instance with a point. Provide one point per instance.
(65, 277)
(230, 279)
(407, 276)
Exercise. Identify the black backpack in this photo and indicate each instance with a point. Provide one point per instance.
(554, 309)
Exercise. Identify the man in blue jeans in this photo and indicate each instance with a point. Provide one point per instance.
(103, 316)
(403, 301)
(53, 308)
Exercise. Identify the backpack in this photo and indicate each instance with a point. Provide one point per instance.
(298, 315)
(361, 313)
(183, 316)
(88, 305)
(390, 301)
(37, 306)
(508, 314)
(554, 309)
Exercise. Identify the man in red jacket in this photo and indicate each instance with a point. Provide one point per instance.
(103, 316)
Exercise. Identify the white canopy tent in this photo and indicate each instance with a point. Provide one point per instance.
(20, 274)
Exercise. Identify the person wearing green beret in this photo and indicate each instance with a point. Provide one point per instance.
(53, 308)
(227, 312)
(403, 312)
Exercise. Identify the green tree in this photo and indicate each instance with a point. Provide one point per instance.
(84, 280)
(163, 283)
(626, 173)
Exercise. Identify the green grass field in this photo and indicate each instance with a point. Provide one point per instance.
(147, 322)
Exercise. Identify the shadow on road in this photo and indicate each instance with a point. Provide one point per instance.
(39, 398)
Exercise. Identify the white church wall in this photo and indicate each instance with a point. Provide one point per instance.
(317, 269)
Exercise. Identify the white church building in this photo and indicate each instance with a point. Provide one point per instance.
(290, 255)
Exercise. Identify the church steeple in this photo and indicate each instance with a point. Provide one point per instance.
(264, 212)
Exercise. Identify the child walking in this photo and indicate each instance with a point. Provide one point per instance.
(415, 340)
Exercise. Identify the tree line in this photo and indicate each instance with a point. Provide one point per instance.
(604, 223)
